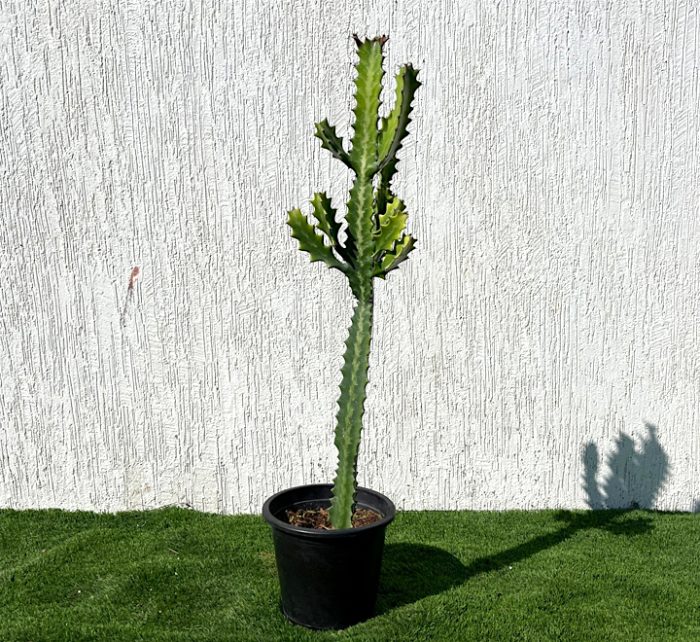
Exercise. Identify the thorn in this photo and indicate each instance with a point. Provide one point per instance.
(380, 39)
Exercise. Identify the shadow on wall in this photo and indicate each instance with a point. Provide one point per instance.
(635, 477)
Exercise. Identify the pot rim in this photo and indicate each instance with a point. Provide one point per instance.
(278, 524)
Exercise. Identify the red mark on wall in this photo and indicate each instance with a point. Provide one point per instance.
(135, 272)
(134, 275)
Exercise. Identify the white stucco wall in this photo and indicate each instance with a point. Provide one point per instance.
(553, 177)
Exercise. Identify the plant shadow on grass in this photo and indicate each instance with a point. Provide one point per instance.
(411, 572)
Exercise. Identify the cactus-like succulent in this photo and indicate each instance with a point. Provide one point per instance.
(376, 241)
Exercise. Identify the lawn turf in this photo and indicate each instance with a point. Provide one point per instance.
(181, 575)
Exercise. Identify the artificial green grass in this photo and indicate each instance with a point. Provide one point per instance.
(174, 574)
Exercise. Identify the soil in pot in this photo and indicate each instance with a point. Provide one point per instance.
(317, 517)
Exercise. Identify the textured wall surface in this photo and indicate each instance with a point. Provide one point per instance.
(539, 349)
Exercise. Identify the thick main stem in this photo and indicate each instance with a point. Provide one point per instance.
(353, 392)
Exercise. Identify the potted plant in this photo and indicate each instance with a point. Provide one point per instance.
(329, 539)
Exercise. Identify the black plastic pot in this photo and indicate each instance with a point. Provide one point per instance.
(328, 579)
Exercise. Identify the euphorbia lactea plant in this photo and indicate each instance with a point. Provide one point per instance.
(376, 241)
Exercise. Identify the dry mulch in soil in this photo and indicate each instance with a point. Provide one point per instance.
(318, 518)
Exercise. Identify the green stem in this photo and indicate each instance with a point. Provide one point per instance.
(353, 392)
